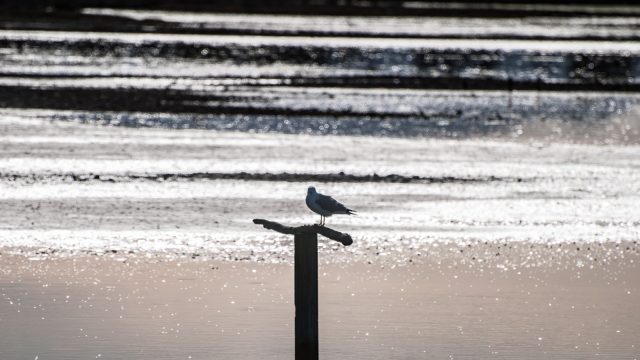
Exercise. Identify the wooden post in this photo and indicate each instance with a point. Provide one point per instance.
(305, 249)
(306, 295)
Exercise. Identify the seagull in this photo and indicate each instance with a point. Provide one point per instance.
(325, 205)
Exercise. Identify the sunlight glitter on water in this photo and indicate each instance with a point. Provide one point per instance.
(484, 190)
(562, 46)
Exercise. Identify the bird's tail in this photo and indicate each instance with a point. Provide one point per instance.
(351, 212)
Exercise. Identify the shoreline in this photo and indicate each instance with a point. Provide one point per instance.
(249, 247)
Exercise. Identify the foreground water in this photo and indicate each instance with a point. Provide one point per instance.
(120, 308)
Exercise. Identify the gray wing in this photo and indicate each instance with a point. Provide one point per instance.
(330, 204)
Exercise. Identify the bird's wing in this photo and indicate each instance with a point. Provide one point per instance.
(330, 204)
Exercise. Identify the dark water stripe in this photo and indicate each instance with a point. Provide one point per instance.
(157, 100)
(289, 177)
(211, 102)
(425, 82)
(577, 117)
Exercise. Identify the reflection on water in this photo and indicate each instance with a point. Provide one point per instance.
(150, 309)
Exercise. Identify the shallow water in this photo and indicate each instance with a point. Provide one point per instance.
(154, 309)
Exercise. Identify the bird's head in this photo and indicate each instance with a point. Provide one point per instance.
(311, 190)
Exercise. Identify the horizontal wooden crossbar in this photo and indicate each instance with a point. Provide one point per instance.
(343, 238)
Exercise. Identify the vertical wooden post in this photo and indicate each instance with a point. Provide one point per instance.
(306, 295)
(305, 249)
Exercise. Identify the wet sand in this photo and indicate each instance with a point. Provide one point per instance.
(119, 307)
(69, 187)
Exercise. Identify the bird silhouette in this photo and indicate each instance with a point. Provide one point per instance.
(325, 205)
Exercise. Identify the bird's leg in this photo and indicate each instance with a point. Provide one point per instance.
(322, 220)
(320, 223)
